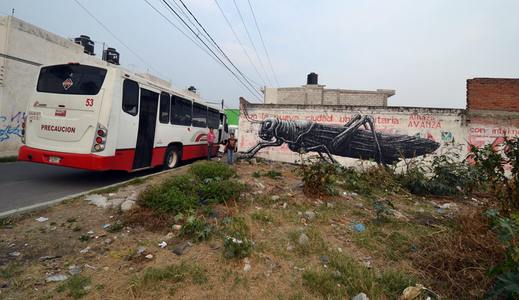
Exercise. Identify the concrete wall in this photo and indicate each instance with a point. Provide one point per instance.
(445, 126)
(319, 95)
(23, 48)
(492, 114)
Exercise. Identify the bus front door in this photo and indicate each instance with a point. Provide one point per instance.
(146, 132)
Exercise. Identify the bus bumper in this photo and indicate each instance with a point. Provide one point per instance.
(72, 160)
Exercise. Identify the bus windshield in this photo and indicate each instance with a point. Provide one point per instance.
(71, 79)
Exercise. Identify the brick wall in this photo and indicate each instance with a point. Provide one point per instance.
(500, 94)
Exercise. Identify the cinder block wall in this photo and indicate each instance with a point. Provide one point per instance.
(499, 94)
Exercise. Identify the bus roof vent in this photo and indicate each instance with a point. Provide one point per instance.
(111, 55)
(192, 89)
(86, 42)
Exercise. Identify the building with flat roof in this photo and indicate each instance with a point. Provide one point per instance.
(313, 93)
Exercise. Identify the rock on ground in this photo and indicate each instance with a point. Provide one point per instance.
(303, 239)
(97, 200)
(127, 205)
(360, 296)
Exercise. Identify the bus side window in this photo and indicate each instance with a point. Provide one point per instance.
(164, 108)
(213, 118)
(130, 97)
(199, 115)
(180, 111)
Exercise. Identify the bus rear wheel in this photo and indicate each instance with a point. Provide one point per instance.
(172, 157)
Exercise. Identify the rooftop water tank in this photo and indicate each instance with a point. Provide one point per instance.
(86, 42)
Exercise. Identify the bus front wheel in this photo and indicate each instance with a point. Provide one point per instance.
(172, 157)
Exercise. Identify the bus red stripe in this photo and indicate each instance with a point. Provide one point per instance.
(123, 159)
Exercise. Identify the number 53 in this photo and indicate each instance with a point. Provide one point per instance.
(89, 102)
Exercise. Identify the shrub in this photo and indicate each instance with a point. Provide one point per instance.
(210, 170)
(451, 176)
(414, 179)
(506, 284)
(168, 199)
(196, 228)
(237, 246)
(319, 176)
(236, 240)
(491, 162)
(220, 191)
(446, 176)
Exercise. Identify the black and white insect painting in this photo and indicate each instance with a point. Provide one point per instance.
(357, 138)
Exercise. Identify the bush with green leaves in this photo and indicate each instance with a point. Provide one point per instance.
(206, 183)
(447, 175)
(506, 273)
(220, 191)
(196, 228)
(236, 241)
(211, 170)
(319, 176)
(491, 162)
(175, 195)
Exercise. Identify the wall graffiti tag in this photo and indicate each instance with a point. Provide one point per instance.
(357, 138)
(11, 126)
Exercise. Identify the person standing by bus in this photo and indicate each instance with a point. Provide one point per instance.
(230, 148)
(210, 142)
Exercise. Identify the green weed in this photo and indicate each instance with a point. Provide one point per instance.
(10, 270)
(262, 217)
(175, 195)
(236, 242)
(346, 277)
(77, 286)
(210, 170)
(196, 228)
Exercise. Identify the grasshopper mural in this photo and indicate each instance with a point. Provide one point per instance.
(355, 139)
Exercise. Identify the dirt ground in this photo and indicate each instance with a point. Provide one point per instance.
(76, 237)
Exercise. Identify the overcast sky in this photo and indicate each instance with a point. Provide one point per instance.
(425, 50)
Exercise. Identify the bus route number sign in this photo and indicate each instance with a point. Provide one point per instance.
(89, 102)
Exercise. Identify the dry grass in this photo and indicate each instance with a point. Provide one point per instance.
(148, 219)
(457, 260)
(281, 267)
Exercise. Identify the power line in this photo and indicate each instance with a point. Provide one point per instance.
(188, 18)
(263, 43)
(114, 36)
(213, 56)
(251, 41)
(240, 42)
(181, 31)
(217, 46)
(211, 50)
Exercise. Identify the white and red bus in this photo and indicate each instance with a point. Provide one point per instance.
(102, 117)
